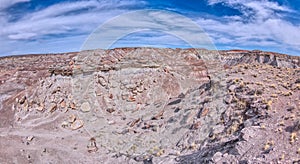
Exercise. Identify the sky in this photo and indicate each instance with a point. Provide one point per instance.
(52, 26)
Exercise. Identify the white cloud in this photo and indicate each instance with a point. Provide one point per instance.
(20, 36)
(63, 19)
(255, 10)
(7, 3)
(154, 20)
(267, 26)
(57, 20)
(273, 32)
(157, 39)
(58, 10)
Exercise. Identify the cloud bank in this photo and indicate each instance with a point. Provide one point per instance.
(64, 26)
(261, 24)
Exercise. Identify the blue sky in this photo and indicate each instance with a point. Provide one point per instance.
(50, 26)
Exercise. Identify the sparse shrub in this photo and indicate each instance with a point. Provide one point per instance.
(273, 86)
(297, 87)
(259, 83)
(242, 84)
(288, 93)
(258, 92)
(241, 105)
(236, 80)
(293, 137)
(274, 95)
(281, 123)
(269, 105)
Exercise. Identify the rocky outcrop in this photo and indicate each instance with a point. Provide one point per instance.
(275, 59)
(260, 122)
(17, 73)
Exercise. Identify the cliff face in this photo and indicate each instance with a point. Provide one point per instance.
(18, 73)
(147, 105)
(274, 59)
